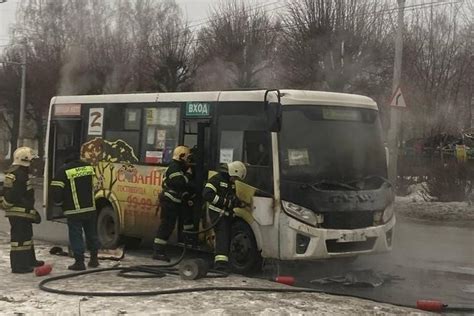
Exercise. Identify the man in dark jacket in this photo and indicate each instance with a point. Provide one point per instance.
(175, 201)
(18, 202)
(220, 193)
(73, 189)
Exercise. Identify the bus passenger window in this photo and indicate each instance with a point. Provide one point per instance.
(254, 149)
(231, 146)
(257, 157)
(257, 148)
(161, 134)
(121, 139)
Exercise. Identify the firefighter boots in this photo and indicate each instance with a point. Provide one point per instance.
(222, 266)
(94, 261)
(159, 253)
(78, 265)
(191, 240)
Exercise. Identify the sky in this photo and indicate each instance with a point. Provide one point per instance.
(196, 12)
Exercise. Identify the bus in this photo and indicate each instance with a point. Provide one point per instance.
(316, 183)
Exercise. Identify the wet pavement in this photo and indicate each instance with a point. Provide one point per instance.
(427, 262)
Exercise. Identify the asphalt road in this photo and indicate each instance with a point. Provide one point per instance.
(428, 261)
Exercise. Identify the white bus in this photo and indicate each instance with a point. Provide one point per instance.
(316, 166)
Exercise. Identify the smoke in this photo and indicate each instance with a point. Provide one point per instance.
(75, 77)
(214, 75)
(119, 80)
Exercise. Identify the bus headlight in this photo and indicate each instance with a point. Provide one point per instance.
(301, 213)
(387, 214)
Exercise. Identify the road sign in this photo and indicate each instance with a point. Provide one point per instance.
(397, 99)
(198, 109)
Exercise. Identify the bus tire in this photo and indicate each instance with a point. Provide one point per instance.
(108, 227)
(244, 256)
(130, 242)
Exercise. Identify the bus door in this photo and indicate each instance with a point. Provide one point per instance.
(64, 138)
(197, 136)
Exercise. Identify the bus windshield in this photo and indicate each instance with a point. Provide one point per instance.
(331, 144)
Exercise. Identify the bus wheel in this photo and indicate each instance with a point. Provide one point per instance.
(108, 227)
(244, 256)
(131, 242)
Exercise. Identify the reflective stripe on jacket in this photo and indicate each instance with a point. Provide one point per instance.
(218, 192)
(176, 182)
(18, 194)
(73, 188)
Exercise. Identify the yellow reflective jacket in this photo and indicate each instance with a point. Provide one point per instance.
(73, 188)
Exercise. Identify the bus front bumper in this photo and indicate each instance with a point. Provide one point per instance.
(299, 241)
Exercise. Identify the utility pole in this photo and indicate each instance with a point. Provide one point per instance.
(395, 112)
(21, 125)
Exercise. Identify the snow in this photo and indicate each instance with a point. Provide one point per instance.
(418, 204)
(416, 193)
(20, 294)
(461, 213)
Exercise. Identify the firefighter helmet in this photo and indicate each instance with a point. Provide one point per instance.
(181, 153)
(237, 169)
(23, 156)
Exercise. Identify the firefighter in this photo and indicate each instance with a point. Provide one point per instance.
(18, 202)
(175, 201)
(73, 190)
(220, 193)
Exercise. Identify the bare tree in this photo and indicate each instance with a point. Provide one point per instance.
(236, 47)
(438, 69)
(333, 45)
(10, 84)
(172, 52)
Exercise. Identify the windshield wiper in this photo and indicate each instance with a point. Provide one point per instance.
(319, 184)
(370, 177)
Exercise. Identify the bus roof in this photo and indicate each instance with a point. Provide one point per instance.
(288, 97)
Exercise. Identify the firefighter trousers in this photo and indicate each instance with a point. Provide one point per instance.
(169, 214)
(223, 235)
(22, 251)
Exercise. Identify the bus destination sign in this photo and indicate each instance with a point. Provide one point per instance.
(198, 109)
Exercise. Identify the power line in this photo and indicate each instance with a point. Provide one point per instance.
(383, 11)
(209, 19)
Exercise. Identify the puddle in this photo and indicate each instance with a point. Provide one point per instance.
(468, 288)
(359, 278)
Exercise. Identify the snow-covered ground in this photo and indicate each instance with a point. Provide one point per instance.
(20, 294)
(419, 205)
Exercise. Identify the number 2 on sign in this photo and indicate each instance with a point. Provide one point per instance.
(96, 117)
(96, 120)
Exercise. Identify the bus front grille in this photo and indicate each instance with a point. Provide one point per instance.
(333, 246)
(348, 220)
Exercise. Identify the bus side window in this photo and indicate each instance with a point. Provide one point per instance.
(257, 149)
(257, 156)
(231, 146)
(122, 132)
(254, 149)
(160, 134)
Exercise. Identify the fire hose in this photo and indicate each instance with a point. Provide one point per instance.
(196, 268)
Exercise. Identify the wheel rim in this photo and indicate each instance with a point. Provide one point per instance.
(240, 248)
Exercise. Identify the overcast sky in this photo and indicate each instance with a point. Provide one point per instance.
(194, 10)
